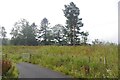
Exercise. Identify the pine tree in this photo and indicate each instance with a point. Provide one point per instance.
(44, 32)
(73, 23)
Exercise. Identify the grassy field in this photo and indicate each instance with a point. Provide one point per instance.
(98, 61)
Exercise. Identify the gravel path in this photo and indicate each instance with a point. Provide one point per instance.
(28, 70)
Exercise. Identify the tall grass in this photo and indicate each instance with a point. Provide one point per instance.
(98, 61)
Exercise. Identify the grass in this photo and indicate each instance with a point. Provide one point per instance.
(100, 61)
(11, 73)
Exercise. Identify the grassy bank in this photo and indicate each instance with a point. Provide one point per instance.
(12, 73)
(79, 61)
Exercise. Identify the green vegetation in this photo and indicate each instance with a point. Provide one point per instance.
(98, 61)
(76, 58)
(8, 68)
(11, 73)
(25, 33)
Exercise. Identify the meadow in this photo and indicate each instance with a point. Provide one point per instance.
(96, 61)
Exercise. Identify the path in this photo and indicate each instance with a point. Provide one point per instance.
(28, 70)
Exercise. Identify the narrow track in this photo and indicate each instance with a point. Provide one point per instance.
(28, 70)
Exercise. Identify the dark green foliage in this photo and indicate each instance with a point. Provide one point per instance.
(84, 37)
(44, 32)
(58, 32)
(97, 42)
(23, 33)
(3, 33)
(73, 23)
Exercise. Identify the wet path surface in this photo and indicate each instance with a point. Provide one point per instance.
(28, 70)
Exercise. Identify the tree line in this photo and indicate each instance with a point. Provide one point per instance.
(24, 33)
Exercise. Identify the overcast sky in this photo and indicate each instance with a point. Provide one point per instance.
(100, 17)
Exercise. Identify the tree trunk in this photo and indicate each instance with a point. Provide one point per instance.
(74, 35)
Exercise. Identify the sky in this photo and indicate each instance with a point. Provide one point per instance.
(100, 17)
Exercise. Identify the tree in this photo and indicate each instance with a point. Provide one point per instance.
(2, 32)
(73, 23)
(44, 32)
(84, 37)
(3, 35)
(34, 28)
(15, 33)
(97, 41)
(23, 33)
(58, 34)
